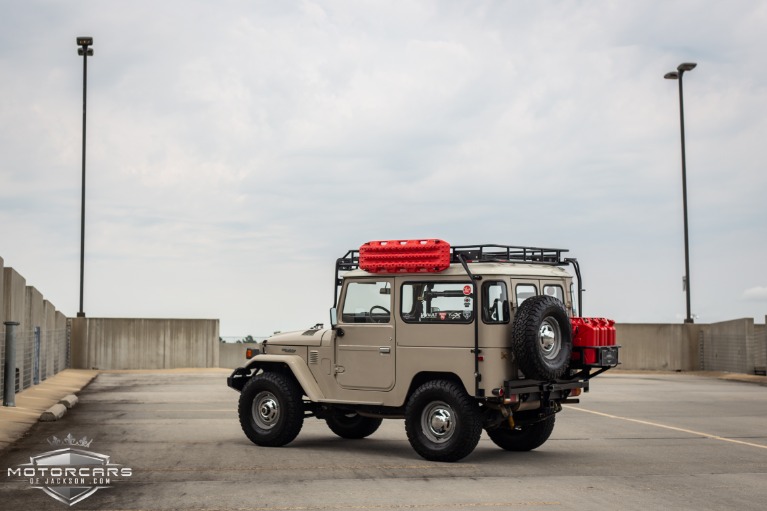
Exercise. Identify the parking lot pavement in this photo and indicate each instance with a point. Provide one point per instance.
(636, 441)
(32, 402)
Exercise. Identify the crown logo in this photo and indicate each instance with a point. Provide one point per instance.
(71, 441)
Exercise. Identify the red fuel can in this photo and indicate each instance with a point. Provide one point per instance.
(611, 337)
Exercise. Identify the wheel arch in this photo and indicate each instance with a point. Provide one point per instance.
(286, 364)
(425, 376)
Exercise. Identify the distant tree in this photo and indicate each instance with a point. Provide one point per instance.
(250, 339)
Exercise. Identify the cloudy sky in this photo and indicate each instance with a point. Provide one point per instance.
(236, 148)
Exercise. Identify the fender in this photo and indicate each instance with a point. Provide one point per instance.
(296, 364)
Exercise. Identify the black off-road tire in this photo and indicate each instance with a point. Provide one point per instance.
(442, 421)
(541, 338)
(351, 425)
(522, 438)
(271, 409)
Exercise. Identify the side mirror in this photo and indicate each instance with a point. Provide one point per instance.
(333, 318)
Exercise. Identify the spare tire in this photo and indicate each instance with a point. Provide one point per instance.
(541, 338)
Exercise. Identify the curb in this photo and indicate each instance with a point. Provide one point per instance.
(53, 413)
(45, 402)
(69, 401)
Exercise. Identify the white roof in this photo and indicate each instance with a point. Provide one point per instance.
(510, 269)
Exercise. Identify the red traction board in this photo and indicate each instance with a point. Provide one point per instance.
(405, 256)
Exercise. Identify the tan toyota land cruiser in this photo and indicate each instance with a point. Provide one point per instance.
(452, 339)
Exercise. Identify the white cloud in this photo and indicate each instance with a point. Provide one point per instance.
(756, 294)
(223, 138)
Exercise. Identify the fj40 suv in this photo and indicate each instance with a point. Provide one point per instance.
(452, 339)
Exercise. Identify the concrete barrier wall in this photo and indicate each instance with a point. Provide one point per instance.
(760, 353)
(665, 347)
(2, 293)
(34, 317)
(730, 346)
(733, 346)
(232, 355)
(41, 336)
(128, 343)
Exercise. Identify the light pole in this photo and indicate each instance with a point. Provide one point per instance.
(677, 75)
(84, 49)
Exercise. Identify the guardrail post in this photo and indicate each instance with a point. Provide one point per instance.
(9, 390)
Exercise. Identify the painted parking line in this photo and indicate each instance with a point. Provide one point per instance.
(312, 467)
(457, 505)
(672, 428)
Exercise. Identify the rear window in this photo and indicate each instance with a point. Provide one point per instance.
(555, 291)
(525, 291)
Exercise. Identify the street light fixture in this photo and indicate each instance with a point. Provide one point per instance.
(677, 75)
(84, 49)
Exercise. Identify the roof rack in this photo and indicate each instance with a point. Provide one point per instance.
(508, 253)
(472, 253)
(350, 261)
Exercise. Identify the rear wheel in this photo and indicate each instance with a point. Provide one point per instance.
(442, 421)
(271, 409)
(522, 438)
(352, 425)
(542, 338)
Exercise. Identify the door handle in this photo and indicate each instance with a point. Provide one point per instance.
(384, 349)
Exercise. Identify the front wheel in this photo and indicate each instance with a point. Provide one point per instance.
(352, 425)
(271, 409)
(442, 421)
(522, 438)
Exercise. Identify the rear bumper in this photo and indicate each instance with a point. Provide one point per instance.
(603, 358)
(534, 390)
(595, 356)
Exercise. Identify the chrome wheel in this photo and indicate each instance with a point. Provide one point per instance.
(438, 422)
(550, 338)
(265, 410)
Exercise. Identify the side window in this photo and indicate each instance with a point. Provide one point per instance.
(555, 291)
(367, 302)
(495, 302)
(437, 302)
(525, 291)
(572, 299)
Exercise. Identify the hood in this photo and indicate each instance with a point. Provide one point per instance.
(309, 337)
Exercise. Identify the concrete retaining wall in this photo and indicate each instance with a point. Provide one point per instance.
(760, 350)
(665, 347)
(737, 346)
(730, 346)
(232, 355)
(41, 336)
(126, 343)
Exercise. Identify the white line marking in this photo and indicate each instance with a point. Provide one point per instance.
(673, 428)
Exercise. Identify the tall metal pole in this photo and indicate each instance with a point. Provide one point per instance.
(84, 50)
(677, 75)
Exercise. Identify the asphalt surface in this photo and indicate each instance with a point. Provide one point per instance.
(636, 441)
(16, 420)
